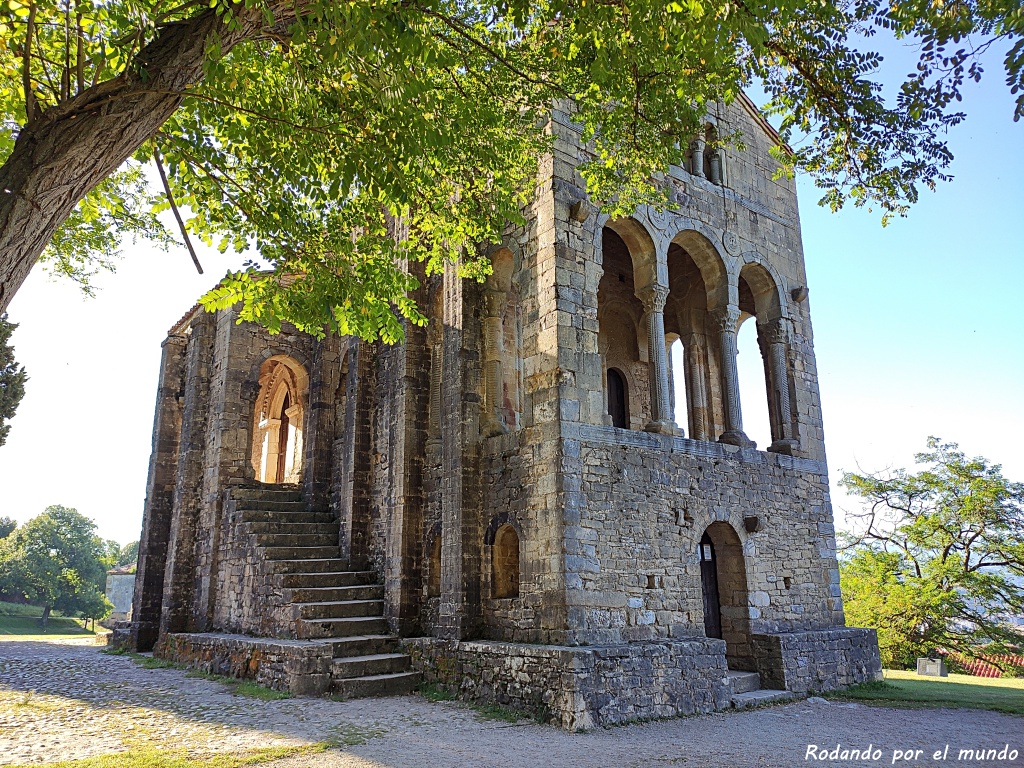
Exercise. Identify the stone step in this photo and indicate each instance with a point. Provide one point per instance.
(325, 529)
(301, 553)
(268, 493)
(292, 539)
(269, 505)
(335, 593)
(761, 698)
(365, 645)
(371, 664)
(315, 574)
(341, 609)
(343, 627)
(376, 685)
(274, 519)
(326, 566)
(743, 682)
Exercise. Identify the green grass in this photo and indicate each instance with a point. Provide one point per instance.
(149, 757)
(22, 621)
(908, 690)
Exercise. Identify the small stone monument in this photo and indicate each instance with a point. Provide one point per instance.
(932, 668)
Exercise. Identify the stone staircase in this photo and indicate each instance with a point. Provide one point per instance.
(747, 692)
(329, 602)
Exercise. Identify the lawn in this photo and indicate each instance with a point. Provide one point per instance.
(22, 622)
(908, 689)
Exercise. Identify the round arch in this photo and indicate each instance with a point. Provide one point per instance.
(709, 261)
(640, 243)
(724, 586)
(279, 420)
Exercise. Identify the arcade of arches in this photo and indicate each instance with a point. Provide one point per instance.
(640, 320)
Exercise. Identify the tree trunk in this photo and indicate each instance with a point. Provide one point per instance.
(45, 618)
(64, 153)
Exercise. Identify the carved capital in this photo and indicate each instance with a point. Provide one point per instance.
(725, 318)
(493, 303)
(653, 297)
(774, 331)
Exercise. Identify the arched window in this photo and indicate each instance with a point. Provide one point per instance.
(618, 399)
(505, 559)
(278, 421)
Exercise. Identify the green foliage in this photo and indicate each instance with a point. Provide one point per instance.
(22, 620)
(56, 561)
(360, 139)
(128, 555)
(7, 526)
(12, 383)
(937, 558)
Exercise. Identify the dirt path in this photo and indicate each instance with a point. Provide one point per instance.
(66, 700)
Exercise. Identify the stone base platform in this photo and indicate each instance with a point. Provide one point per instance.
(817, 660)
(581, 688)
(302, 667)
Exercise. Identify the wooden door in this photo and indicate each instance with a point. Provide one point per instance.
(709, 588)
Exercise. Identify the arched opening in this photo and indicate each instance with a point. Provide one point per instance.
(434, 576)
(750, 368)
(766, 389)
(278, 421)
(505, 559)
(618, 399)
(628, 264)
(698, 283)
(724, 586)
(709, 588)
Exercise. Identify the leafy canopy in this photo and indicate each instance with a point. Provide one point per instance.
(12, 379)
(57, 561)
(937, 558)
(353, 138)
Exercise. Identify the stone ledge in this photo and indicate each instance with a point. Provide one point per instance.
(300, 667)
(581, 688)
(604, 435)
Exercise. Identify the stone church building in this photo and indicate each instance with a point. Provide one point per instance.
(504, 503)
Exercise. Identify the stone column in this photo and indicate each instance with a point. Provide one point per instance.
(775, 336)
(491, 422)
(726, 320)
(696, 389)
(715, 163)
(697, 157)
(653, 298)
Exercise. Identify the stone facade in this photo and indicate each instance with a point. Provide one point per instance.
(511, 480)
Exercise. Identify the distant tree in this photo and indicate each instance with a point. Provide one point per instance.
(7, 526)
(129, 554)
(12, 379)
(56, 561)
(937, 557)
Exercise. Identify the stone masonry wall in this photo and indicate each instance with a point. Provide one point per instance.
(821, 660)
(299, 667)
(645, 502)
(581, 688)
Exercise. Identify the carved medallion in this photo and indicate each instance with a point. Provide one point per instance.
(731, 241)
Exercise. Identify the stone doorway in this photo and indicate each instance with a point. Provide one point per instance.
(724, 587)
(709, 588)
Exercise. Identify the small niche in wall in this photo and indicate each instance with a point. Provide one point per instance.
(652, 581)
(506, 562)
(787, 582)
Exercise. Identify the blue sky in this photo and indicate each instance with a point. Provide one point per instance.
(918, 331)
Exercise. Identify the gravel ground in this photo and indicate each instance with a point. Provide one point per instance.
(64, 700)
